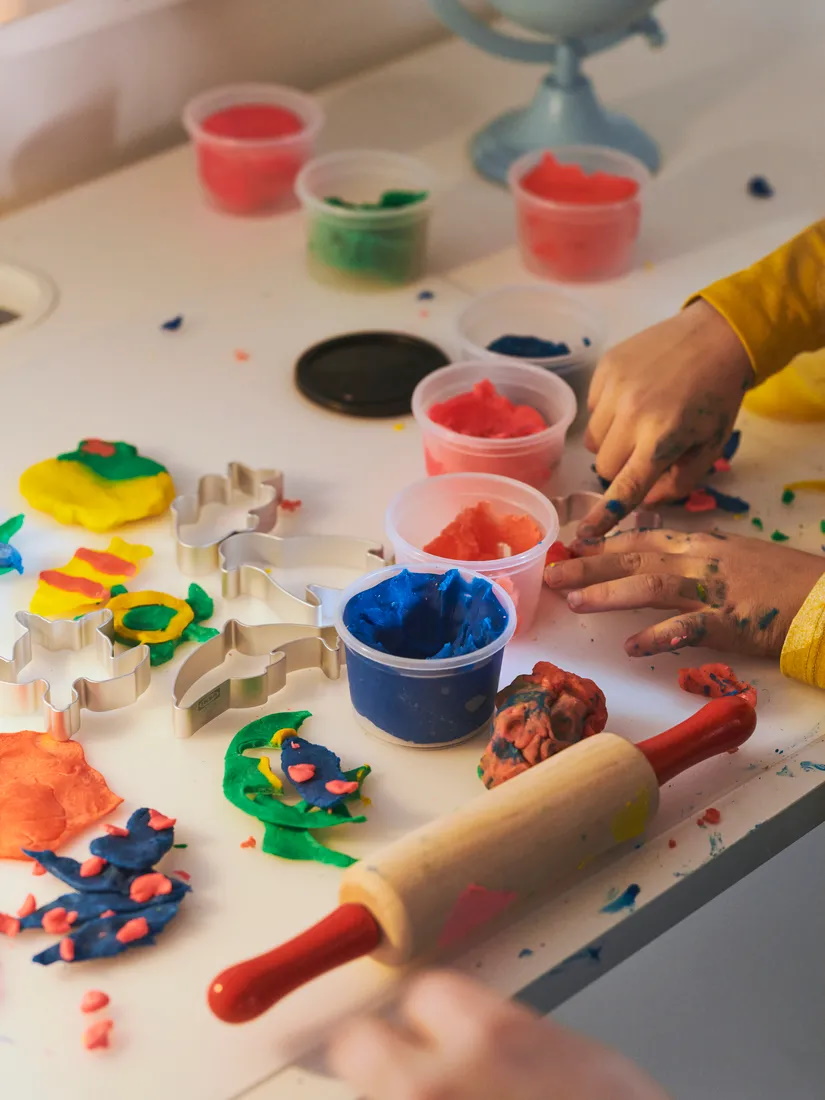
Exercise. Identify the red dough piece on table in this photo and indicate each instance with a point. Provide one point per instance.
(569, 183)
(478, 534)
(485, 413)
(537, 716)
(96, 1037)
(714, 681)
(48, 792)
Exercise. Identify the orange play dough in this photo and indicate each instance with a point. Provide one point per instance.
(479, 534)
(48, 792)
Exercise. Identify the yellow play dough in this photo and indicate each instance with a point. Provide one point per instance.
(796, 393)
(74, 494)
(125, 601)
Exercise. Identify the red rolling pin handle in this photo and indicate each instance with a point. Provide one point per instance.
(720, 726)
(248, 989)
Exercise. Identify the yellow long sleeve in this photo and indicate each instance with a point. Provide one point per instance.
(777, 306)
(803, 654)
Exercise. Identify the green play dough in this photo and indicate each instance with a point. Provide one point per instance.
(150, 617)
(287, 829)
(124, 465)
(390, 200)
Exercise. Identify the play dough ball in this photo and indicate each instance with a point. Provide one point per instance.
(99, 486)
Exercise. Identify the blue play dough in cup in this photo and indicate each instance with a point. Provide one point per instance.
(424, 649)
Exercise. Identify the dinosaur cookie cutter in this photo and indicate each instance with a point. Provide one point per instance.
(575, 506)
(246, 561)
(288, 648)
(265, 490)
(127, 680)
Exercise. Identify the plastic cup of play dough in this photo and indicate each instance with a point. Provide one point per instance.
(531, 458)
(577, 241)
(423, 703)
(251, 140)
(369, 248)
(421, 511)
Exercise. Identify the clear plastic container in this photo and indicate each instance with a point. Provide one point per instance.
(574, 241)
(251, 176)
(531, 458)
(365, 248)
(421, 511)
(424, 704)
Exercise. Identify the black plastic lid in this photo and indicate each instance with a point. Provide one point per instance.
(367, 373)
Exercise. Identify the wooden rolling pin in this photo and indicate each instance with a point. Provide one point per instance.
(431, 888)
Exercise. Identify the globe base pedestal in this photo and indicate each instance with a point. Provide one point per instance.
(569, 115)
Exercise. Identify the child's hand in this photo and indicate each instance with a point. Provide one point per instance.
(662, 405)
(731, 593)
(459, 1041)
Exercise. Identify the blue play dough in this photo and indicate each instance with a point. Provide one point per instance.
(527, 347)
(142, 848)
(10, 559)
(760, 188)
(735, 505)
(98, 939)
(426, 616)
(295, 750)
(129, 858)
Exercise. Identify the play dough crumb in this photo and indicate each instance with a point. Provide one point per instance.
(250, 842)
(715, 681)
(479, 534)
(94, 1000)
(96, 1037)
(485, 413)
(569, 183)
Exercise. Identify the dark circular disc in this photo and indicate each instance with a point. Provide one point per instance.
(367, 373)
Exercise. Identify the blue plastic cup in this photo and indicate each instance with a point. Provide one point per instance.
(424, 703)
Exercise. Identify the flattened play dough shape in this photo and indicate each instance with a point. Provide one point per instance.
(48, 792)
(100, 486)
(86, 582)
(161, 621)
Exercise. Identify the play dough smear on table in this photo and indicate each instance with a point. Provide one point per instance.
(494, 416)
(424, 648)
(579, 211)
(492, 525)
(251, 141)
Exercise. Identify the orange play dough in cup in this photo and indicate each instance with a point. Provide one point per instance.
(478, 534)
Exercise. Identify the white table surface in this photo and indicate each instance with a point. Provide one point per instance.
(733, 94)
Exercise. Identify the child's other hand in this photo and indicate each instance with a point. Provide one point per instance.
(662, 405)
(731, 593)
(459, 1041)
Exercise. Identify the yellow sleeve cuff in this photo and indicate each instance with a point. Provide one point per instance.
(775, 306)
(803, 654)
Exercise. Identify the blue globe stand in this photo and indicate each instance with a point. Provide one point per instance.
(565, 109)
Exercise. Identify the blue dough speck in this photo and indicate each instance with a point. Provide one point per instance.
(732, 445)
(528, 347)
(173, 324)
(426, 616)
(138, 851)
(735, 505)
(760, 188)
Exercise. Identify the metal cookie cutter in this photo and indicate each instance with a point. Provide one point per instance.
(265, 488)
(288, 647)
(575, 506)
(247, 558)
(127, 680)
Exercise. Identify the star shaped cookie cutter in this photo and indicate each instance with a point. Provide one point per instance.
(127, 680)
(575, 506)
(246, 560)
(288, 648)
(265, 489)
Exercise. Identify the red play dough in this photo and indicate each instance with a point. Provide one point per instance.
(248, 178)
(487, 414)
(714, 681)
(590, 229)
(569, 183)
(479, 534)
(558, 552)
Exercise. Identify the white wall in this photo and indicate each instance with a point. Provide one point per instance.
(94, 84)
